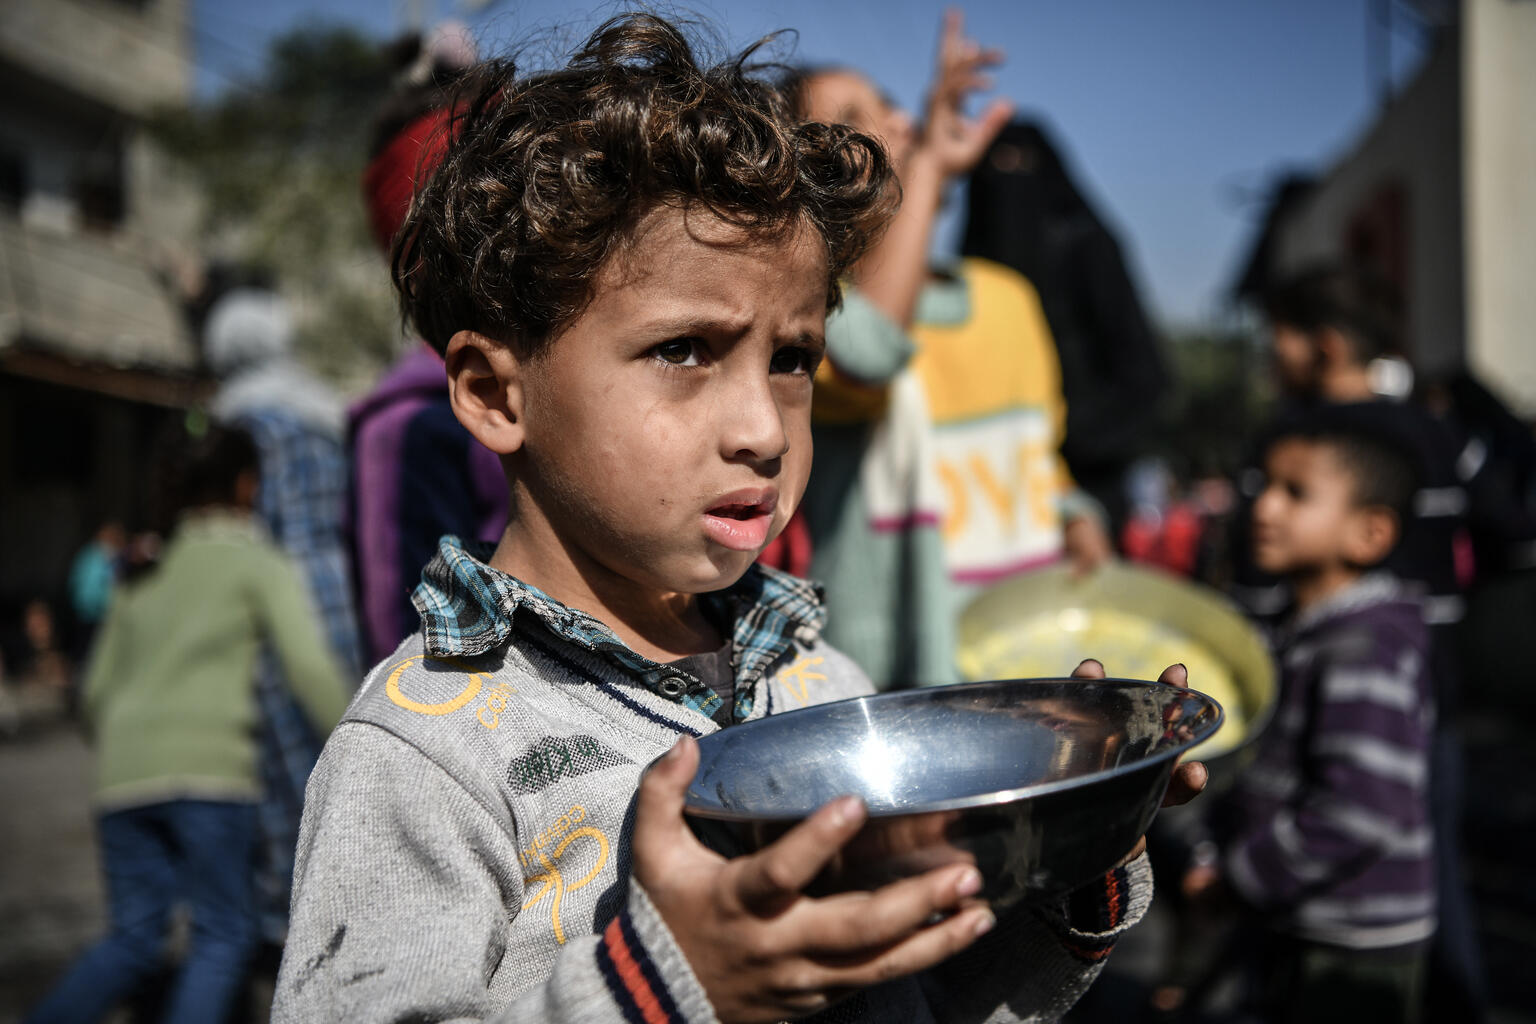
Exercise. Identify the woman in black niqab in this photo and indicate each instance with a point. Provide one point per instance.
(1025, 212)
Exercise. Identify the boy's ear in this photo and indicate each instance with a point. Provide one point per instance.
(486, 391)
(1370, 535)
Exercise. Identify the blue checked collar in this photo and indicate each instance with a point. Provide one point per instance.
(468, 608)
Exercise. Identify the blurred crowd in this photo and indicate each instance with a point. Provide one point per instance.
(977, 418)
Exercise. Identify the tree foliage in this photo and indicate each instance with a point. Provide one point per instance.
(1221, 397)
(278, 161)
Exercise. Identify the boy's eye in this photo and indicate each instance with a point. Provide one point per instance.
(793, 359)
(679, 352)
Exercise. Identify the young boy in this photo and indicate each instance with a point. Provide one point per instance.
(170, 698)
(628, 263)
(1332, 839)
(1333, 333)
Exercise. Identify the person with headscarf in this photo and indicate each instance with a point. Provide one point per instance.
(417, 474)
(296, 422)
(1025, 212)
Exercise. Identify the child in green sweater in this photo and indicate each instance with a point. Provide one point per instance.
(169, 700)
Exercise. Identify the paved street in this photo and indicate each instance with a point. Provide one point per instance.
(50, 884)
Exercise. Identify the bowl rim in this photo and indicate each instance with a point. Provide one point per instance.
(988, 799)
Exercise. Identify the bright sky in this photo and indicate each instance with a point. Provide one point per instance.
(1174, 115)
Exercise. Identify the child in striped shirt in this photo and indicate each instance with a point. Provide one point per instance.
(1330, 840)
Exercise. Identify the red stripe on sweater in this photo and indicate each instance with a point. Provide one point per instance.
(629, 973)
(1091, 955)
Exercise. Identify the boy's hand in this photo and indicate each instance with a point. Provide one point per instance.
(953, 142)
(763, 950)
(1189, 778)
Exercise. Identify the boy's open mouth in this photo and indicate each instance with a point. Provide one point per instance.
(737, 511)
(741, 521)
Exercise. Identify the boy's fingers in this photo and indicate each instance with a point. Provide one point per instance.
(857, 922)
(1188, 781)
(787, 866)
(922, 950)
(1176, 675)
(1090, 668)
(659, 803)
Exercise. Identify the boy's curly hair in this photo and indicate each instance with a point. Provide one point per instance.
(546, 177)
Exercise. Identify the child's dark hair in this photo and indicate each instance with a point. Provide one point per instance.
(546, 177)
(197, 470)
(1383, 467)
(1356, 303)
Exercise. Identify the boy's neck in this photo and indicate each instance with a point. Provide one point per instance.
(1311, 587)
(661, 626)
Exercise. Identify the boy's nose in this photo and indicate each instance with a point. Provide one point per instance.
(751, 422)
(1263, 505)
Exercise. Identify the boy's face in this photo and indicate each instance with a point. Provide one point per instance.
(1306, 518)
(667, 429)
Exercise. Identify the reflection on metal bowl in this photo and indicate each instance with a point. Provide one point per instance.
(1042, 783)
(1137, 622)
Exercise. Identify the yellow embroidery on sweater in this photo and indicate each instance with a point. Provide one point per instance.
(552, 879)
(398, 697)
(796, 679)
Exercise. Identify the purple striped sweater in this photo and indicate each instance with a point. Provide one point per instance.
(1334, 837)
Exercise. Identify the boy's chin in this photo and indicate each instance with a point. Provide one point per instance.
(721, 569)
(1274, 564)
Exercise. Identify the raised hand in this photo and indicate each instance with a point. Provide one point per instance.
(761, 948)
(951, 140)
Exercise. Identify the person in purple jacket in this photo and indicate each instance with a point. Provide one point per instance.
(417, 474)
(1329, 841)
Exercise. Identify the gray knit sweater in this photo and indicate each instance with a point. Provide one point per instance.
(464, 854)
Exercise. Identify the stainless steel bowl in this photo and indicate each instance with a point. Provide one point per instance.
(1043, 784)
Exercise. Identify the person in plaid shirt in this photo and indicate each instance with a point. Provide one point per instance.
(296, 423)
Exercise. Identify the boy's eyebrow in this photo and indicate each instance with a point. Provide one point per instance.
(683, 324)
(686, 323)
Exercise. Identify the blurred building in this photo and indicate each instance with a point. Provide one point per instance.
(94, 349)
(1439, 196)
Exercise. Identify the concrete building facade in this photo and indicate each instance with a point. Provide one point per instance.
(95, 352)
(1439, 197)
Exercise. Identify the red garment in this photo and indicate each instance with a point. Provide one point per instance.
(1171, 543)
(391, 179)
(790, 550)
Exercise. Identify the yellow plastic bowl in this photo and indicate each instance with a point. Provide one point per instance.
(1136, 621)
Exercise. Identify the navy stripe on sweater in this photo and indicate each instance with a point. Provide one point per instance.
(616, 692)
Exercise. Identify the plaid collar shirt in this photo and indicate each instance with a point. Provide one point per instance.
(468, 608)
